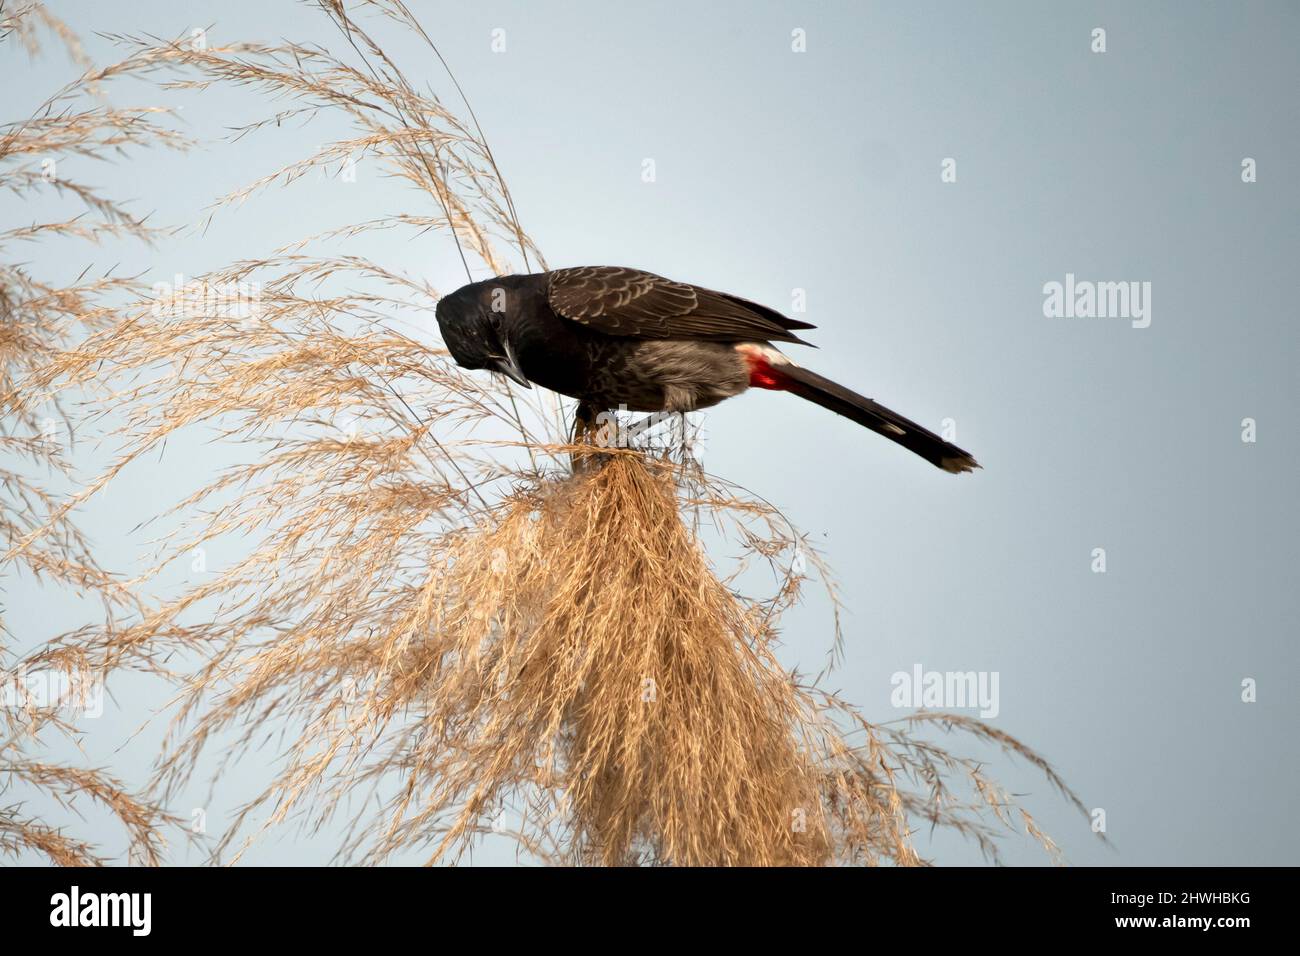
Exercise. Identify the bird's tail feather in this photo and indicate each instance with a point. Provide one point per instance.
(881, 420)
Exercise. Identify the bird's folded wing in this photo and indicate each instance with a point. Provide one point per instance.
(629, 302)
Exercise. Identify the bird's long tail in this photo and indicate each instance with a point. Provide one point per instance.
(881, 420)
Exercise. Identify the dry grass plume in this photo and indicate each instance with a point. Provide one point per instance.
(41, 543)
(456, 633)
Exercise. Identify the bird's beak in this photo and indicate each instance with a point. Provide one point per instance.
(508, 366)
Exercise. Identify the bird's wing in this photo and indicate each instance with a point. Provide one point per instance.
(629, 302)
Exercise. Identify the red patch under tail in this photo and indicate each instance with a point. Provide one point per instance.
(763, 375)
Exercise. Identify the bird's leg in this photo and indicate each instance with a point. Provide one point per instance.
(586, 431)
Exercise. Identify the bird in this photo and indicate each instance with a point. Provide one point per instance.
(617, 337)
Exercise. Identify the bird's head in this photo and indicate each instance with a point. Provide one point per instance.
(474, 326)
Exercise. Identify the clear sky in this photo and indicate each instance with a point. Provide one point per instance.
(824, 171)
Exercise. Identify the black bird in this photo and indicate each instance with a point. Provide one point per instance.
(610, 336)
